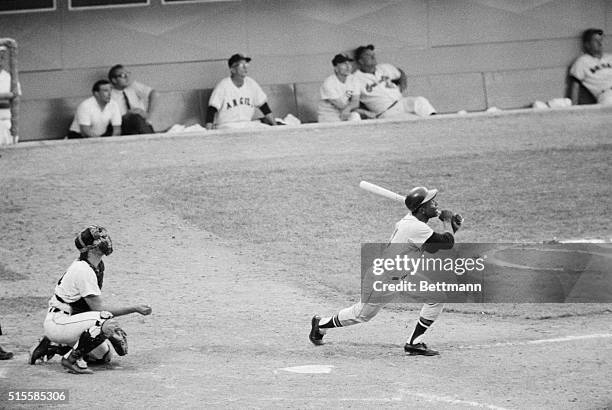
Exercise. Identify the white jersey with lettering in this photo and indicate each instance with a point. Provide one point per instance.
(236, 104)
(594, 73)
(377, 91)
(334, 89)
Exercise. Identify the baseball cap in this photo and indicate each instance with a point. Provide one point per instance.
(236, 58)
(361, 49)
(340, 58)
(588, 33)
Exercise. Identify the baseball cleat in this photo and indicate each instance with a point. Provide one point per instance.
(75, 366)
(419, 349)
(4, 355)
(315, 336)
(39, 350)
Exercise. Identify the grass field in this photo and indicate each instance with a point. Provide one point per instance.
(237, 239)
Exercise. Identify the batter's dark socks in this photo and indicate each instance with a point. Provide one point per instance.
(329, 322)
(420, 328)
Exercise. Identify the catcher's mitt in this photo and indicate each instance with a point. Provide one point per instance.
(116, 336)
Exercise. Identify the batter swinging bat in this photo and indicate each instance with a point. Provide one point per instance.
(378, 190)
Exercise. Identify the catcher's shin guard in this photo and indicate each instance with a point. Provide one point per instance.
(74, 362)
(115, 335)
(88, 342)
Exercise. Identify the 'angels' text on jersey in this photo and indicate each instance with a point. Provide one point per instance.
(236, 104)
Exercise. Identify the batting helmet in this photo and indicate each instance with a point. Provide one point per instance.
(94, 237)
(418, 196)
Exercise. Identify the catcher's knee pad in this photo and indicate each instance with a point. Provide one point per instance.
(115, 335)
(101, 354)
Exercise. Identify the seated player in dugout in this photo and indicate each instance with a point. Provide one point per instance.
(136, 101)
(337, 101)
(593, 69)
(233, 102)
(380, 88)
(80, 324)
(97, 116)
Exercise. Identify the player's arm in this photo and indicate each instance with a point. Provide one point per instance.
(87, 131)
(267, 112)
(438, 241)
(338, 103)
(209, 123)
(445, 239)
(345, 109)
(96, 303)
(152, 103)
(402, 81)
(574, 90)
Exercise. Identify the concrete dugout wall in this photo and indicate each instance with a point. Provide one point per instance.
(462, 54)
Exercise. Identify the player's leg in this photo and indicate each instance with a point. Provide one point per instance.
(414, 345)
(354, 116)
(103, 353)
(61, 332)
(86, 332)
(418, 105)
(4, 355)
(399, 111)
(94, 343)
(358, 313)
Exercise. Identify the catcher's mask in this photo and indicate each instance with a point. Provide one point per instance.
(94, 237)
(418, 196)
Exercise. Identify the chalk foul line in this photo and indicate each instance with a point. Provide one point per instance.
(539, 341)
(452, 400)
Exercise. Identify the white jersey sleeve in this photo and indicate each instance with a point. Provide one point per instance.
(259, 95)
(115, 113)
(217, 97)
(411, 230)
(84, 115)
(78, 282)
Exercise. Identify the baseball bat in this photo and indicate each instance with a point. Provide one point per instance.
(378, 190)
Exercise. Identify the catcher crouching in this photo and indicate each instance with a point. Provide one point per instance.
(79, 325)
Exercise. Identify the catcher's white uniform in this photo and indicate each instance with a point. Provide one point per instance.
(381, 95)
(236, 105)
(64, 326)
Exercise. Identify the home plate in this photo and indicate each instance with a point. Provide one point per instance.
(310, 369)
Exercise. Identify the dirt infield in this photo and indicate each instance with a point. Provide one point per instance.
(236, 240)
